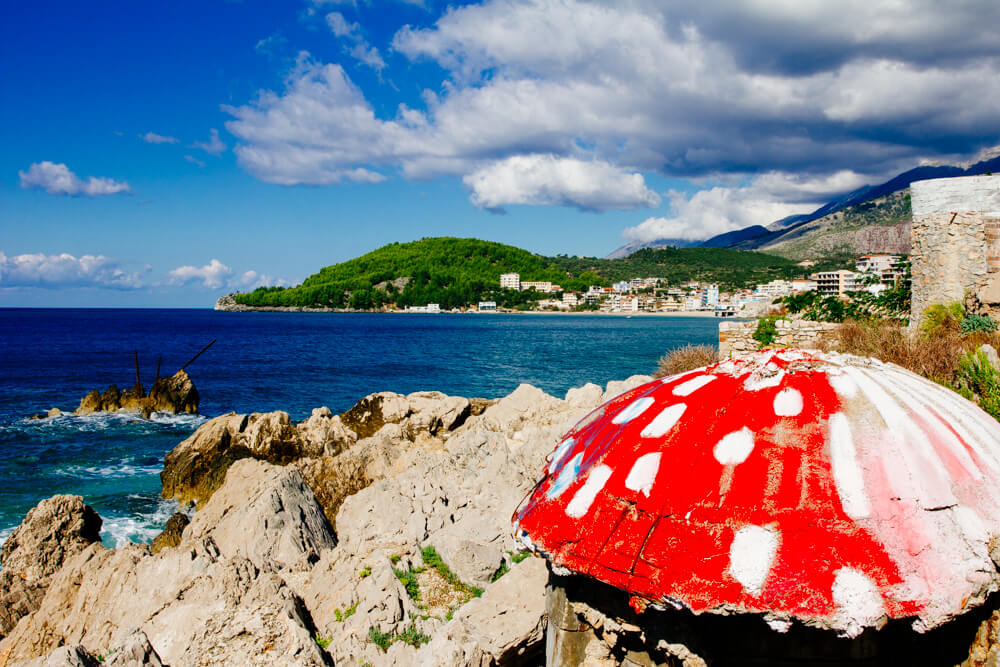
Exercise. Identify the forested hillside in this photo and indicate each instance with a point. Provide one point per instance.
(457, 272)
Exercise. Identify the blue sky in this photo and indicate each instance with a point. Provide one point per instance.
(161, 154)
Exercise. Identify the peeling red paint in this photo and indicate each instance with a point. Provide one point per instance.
(741, 457)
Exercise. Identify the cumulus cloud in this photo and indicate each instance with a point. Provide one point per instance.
(65, 270)
(57, 179)
(153, 138)
(213, 275)
(545, 180)
(252, 280)
(213, 146)
(804, 90)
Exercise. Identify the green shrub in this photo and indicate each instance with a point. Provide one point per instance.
(940, 319)
(767, 331)
(432, 559)
(381, 639)
(409, 580)
(977, 379)
(366, 571)
(323, 642)
(384, 640)
(978, 324)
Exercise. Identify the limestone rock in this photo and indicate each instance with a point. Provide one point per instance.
(616, 387)
(265, 513)
(54, 530)
(196, 467)
(171, 535)
(512, 411)
(134, 651)
(429, 411)
(90, 403)
(205, 602)
(324, 434)
(587, 396)
(54, 412)
(65, 656)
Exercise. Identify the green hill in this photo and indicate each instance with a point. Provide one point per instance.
(457, 272)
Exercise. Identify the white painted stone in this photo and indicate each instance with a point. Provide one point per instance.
(664, 421)
(734, 448)
(847, 472)
(584, 497)
(643, 473)
(751, 555)
(692, 385)
(633, 410)
(857, 601)
(788, 403)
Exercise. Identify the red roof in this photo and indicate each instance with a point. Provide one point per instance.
(826, 488)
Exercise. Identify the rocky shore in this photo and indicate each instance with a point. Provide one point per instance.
(380, 536)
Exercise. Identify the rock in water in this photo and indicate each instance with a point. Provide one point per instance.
(175, 394)
(53, 531)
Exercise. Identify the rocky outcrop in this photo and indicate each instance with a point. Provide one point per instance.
(175, 394)
(172, 532)
(218, 598)
(52, 532)
(422, 553)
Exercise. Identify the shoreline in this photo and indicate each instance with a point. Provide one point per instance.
(589, 313)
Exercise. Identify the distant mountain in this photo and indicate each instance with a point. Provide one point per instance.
(797, 238)
(632, 246)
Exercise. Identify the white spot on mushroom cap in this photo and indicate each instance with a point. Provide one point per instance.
(633, 410)
(564, 447)
(584, 497)
(858, 601)
(664, 421)
(643, 473)
(734, 448)
(566, 476)
(751, 555)
(847, 473)
(692, 385)
(788, 403)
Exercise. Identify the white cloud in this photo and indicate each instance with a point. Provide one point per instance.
(684, 89)
(64, 270)
(358, 48)
(714, 211)
(214, 145)
(252, 280)
(213, 275)
(545, 180)
(153, 138)
(193, 160)
(57, 179)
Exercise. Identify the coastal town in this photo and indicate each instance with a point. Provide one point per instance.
(873, 273)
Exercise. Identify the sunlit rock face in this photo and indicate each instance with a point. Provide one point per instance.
(828, 489)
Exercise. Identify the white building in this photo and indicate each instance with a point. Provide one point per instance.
(624, 286)
(692, 303)
(539, 286)
(712, 296)
(510, 281)
(879, 263)
(571, 299)
(803, 286)
(775, 289)
(487, 306)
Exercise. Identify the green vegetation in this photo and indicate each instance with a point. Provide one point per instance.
(409, 580)
(323, 642)
(433, 560)
(978, 380)
(365, 572)
(342, 616)
(978, 323)
(410, 635)
(890, 304)
(456, 272)
(767, 331)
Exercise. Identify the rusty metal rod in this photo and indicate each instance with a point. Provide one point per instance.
(159, 360)
(137, 382)
(198, 355)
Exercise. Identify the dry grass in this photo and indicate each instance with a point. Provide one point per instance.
(932, 354)
(686, 358)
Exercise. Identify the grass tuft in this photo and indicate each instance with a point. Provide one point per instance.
(683, 359)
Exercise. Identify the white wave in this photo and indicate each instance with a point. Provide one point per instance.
(5, 533)
(183, 419)
(99, 421)
(141, 528)
(124, 468)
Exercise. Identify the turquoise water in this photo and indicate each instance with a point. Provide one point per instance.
(262, 362)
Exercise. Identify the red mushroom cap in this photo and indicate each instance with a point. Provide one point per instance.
(832, 489)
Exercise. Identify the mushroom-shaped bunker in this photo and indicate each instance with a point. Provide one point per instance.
(804, 486)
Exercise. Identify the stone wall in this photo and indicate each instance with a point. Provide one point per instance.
(736, 338)
(956, 243)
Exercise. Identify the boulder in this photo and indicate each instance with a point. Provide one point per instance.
(424, 411)
(196, 467)
(175, 394)
(587, 396)
(64, 656)
(171, 535)
(324, 434)
(54, 530)
(265, 513)
(90, 403)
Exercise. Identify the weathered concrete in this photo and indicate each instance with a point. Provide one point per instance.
(956, 243)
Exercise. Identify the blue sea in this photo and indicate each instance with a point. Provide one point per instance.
(262, 362)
